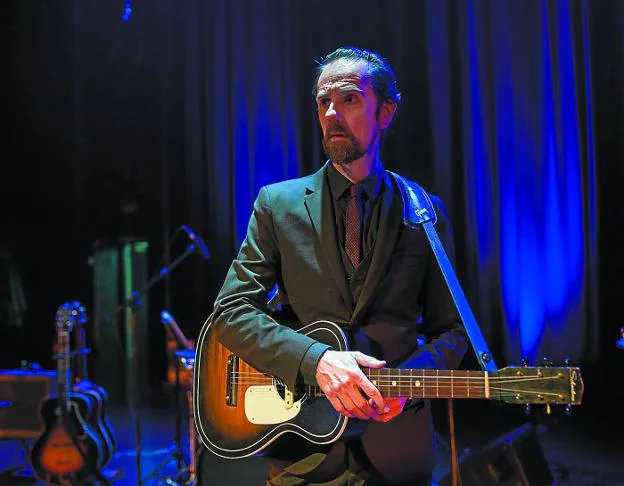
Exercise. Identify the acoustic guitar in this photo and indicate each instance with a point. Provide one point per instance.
(99, 420)
(69, 451)
(240, 411)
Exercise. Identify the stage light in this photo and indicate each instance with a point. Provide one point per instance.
(127, 11)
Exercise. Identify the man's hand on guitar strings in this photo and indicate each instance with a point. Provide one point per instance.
(395, 404)
(348, 389)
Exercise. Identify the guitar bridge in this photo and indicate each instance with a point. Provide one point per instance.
(231, 381)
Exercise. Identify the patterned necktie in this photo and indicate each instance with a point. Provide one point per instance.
(353, 226)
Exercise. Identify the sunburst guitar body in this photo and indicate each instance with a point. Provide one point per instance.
(240, 411)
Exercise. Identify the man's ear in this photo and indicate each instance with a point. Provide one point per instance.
(386, 114)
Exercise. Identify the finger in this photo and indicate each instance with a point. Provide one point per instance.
(338, 405)
(373, 394)
(362, 402)
(386, 417)
(396, 407)
(372, 403)
(355, 409)
(369, 361)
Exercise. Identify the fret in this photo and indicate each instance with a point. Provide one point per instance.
(452, 389)
(375, 379)
(394, 384)
(437, 383)
(465, 384)
(421, 383)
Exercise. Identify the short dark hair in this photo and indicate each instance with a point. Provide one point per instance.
(382, 76)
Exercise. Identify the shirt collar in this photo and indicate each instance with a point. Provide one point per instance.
(339, 184)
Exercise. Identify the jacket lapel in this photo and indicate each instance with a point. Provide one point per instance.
(390, 223)
(318, 205)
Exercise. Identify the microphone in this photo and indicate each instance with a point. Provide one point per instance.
(199, 244)
(174, 331)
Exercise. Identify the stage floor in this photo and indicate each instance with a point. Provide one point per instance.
(580, 449)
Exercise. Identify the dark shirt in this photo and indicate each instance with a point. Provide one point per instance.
(371, 208)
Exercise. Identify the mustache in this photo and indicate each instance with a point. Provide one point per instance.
(337, 130)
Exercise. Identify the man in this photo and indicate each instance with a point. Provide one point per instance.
(335, 246)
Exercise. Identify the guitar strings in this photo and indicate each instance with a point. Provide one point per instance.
(427, 376)
(311, 390)
(251, 378)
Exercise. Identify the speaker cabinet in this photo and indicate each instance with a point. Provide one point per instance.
(120, 268)
(515, 459)
(21, 395)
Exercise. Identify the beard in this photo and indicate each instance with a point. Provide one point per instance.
(345, 151)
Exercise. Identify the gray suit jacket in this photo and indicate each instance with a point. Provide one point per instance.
(291, 241)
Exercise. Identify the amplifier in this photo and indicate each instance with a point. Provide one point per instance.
(21, 394)
(516, 459)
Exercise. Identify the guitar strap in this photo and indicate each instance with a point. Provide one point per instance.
(419, 213)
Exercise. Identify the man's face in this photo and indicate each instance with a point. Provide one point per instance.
(348, 111)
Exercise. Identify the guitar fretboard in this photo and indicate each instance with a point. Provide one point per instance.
(417, 383)
(63, 369)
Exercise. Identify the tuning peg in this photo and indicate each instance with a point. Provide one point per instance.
(567, 361)
(547, 361)
(525, 361)
(568, 409)
(527, 409)
(547, 409)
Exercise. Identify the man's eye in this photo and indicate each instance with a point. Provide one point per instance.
(324, 102)
(350, 98)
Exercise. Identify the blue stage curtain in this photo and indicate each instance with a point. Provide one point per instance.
(522, 81)
(242, 115)
(497, 120)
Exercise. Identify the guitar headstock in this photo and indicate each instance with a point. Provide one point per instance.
(68, 315)
(545, 385)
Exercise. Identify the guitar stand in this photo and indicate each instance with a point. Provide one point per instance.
(21, 470)
(181, 479)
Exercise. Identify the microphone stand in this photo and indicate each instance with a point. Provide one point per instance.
(133, 303)
(175, 333)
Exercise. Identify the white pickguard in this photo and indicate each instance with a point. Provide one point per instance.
(264, 405)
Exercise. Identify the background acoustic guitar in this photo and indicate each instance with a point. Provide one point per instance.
(69, 451)
(99, 421)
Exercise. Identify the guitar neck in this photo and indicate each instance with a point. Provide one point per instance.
(415, 383)
(63, 369)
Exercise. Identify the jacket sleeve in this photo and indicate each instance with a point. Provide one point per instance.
(240, 319)
(445, 338)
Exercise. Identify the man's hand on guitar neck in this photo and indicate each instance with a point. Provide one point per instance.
(351, 393)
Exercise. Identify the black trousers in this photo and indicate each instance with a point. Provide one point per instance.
(346, 464)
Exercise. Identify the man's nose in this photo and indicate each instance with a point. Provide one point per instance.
(331, 111)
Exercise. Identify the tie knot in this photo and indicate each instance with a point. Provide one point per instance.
(355, 190)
